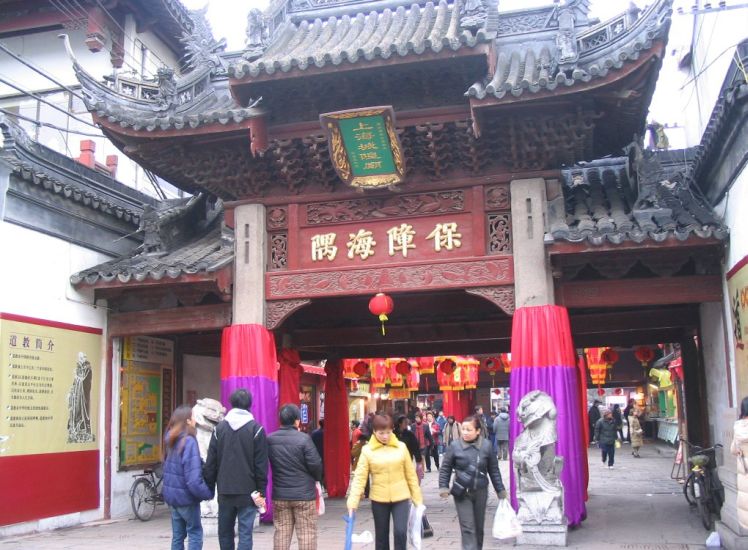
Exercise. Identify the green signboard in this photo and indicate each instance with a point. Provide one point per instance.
(364, 146)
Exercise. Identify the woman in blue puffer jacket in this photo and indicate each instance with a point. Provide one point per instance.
(184, 486)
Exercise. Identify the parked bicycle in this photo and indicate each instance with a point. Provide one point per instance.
(703, 489)
(145, 492)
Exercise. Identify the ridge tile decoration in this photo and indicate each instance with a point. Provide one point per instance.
(336, 282)
(364, 147)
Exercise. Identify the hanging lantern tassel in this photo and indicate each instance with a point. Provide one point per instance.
(381, 305)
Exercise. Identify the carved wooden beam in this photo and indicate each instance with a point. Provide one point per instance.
(170, 321)
(279, 310)
(502, 296)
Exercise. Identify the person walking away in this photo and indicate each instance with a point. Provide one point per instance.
(442, 421)
(473, 461)
(501, 431)
(635, 432)
(404, 435)
(739, 448)
(451, 432)
(184, 486)
(238, 463)
(296, 466)
(594, 416)
(627, 412)
(423, 436)
(605, 434)
(394, 484)
(618, 418)
(436, 437)
(478, 413)
(318, 438)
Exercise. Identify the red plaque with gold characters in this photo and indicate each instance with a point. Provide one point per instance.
(364, 146)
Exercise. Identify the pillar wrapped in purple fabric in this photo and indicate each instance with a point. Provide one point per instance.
(543, 358)
(248, 361)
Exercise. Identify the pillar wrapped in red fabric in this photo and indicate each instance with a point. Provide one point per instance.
(456, 404)
(336, 448)
(248, 361)
(289, 376)
(543, 358)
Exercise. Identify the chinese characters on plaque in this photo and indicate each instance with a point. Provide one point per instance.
(400, 239)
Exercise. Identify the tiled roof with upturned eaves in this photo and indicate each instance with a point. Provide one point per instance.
(600, 205)
(363, 37)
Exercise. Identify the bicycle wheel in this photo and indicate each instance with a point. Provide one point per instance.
(688, 490)
(142, 499)
(702, 503)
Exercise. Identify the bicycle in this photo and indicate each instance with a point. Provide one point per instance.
(702, 488)
(145, 492)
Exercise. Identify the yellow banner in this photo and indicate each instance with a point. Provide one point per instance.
(49, 388)
(146, 398)
(737, 287)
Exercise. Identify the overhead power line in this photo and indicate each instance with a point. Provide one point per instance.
(48, 124)
(34, 68)
(39, 98)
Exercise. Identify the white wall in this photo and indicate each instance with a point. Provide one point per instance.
(715, 361)
(203, 375)
(34, 282)
(684, 98)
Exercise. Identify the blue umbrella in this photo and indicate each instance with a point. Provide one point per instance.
(350, 520)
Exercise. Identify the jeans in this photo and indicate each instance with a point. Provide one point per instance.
(609, 452)
(227, 516)
(503, 452)
(471, 511)
(400, 512)
(185, 523)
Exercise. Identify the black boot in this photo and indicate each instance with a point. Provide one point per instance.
(426, 530)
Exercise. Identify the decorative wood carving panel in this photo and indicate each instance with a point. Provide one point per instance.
(277, 217)
(499, 234)
(497, 197)
(502, 296)
(455, 274)
(400, 205)
(278, 311)
(278, 251)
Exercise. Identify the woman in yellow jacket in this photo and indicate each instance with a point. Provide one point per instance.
(394, 484)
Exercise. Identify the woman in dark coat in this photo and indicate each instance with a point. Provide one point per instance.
(473, 461)
(184, 486)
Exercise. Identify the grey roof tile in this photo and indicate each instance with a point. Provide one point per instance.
(600, 207)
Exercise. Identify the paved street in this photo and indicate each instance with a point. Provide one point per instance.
(634, 507)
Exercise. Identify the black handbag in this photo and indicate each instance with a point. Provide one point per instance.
(465, 482)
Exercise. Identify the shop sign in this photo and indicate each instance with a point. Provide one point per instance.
(304, 413)
(49, 388)
(737, 288)
(364, 146)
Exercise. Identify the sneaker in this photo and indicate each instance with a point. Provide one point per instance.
(427, 533)
(610, 467)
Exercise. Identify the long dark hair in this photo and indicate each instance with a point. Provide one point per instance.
(178, 426)
(744, 408)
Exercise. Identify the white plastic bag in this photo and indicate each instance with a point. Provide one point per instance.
(414, 526)
(505, 522)
(713, 540)
(320, 500)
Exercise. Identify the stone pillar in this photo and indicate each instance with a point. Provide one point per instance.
(250, 259)
(5, 171)
(533, 282)
(732, 535)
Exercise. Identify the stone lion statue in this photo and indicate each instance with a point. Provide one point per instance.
(539, 489)
(207, 413)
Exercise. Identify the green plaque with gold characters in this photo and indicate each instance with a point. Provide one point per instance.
(364, 147)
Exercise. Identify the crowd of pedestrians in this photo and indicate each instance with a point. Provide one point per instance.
(389, 461)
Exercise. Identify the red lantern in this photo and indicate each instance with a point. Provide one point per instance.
(600, 392)
(379, 373)
(402, 367)
(644, 355)
(360, 368)
(447, 366)
(426, 365)
(381, 305)
(506, 361)
(609, 357)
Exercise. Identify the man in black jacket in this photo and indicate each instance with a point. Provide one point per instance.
(296, 467)
(238, 462)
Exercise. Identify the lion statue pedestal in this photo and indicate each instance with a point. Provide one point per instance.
(540, 494)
